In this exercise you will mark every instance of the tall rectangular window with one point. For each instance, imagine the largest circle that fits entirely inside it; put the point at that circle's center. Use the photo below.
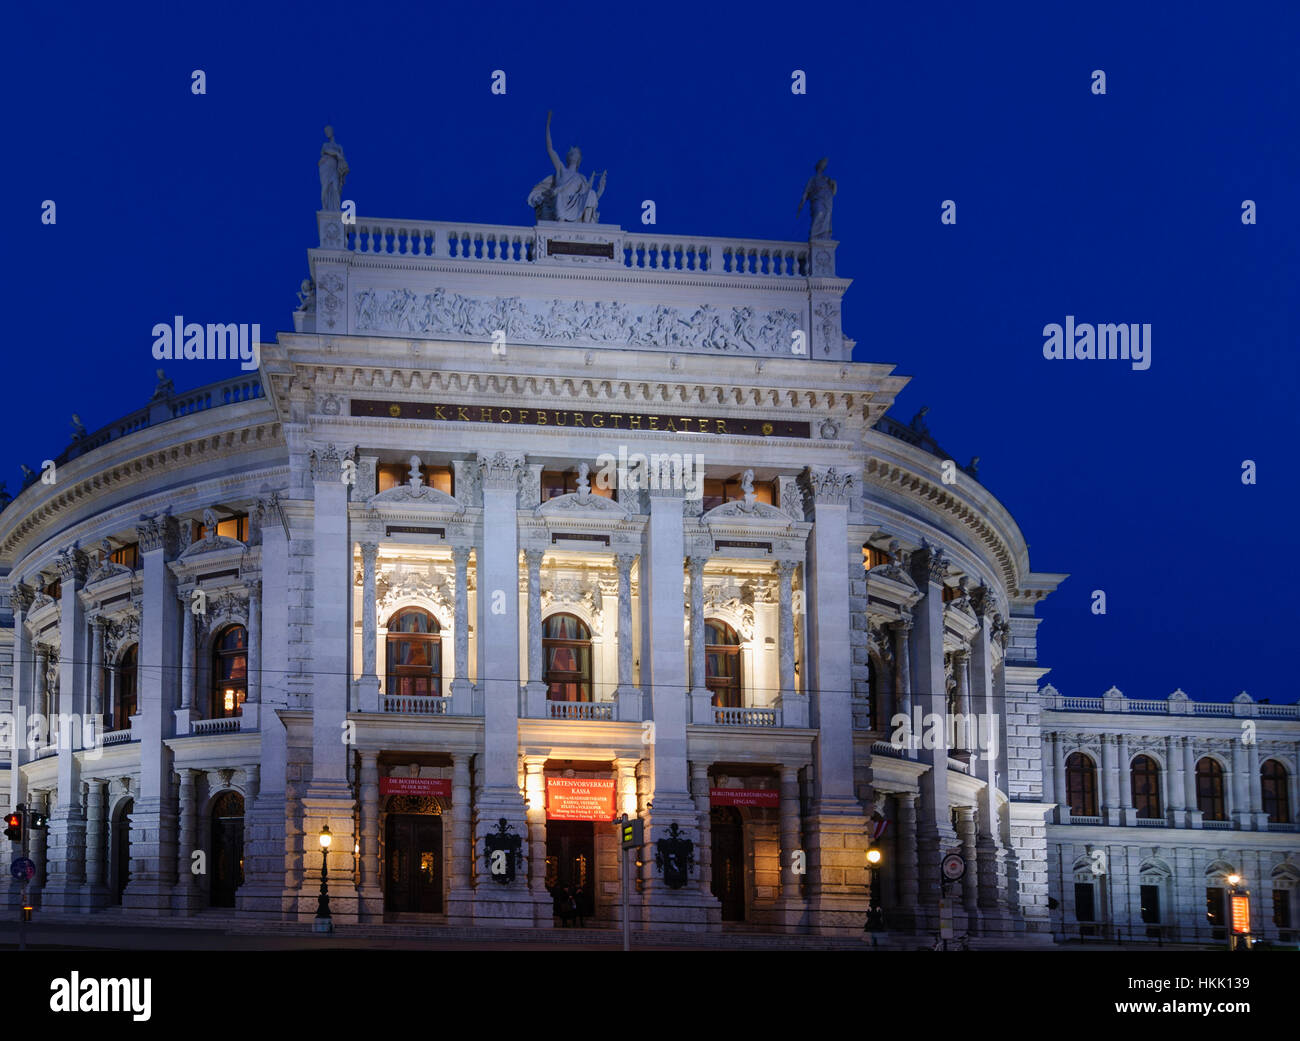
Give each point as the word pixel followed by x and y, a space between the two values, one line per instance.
pixel 1084 909
pixel 1150 896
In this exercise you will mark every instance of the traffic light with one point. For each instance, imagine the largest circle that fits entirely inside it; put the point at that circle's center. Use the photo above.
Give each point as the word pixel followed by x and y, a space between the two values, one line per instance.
pixel 14 826
pixel 38 820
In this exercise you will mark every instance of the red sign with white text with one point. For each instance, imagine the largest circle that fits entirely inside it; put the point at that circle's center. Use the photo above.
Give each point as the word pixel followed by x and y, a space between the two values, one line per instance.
pixel 414 786
pixel 744 797
pixel 579 799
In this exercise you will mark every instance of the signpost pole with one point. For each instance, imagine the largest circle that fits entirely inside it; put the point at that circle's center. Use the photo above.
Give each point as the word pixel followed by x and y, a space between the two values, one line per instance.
pixel 627 930
pixel 22 911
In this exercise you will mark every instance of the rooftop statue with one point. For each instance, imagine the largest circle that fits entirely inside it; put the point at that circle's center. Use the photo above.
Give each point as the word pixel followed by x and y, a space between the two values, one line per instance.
pixel 818 193
pixel 333 172
pixel 566 195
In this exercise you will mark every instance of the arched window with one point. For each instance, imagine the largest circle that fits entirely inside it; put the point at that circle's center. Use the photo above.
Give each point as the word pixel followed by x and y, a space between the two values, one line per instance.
pixel 229 672
pixel 1145 777
pixel 566 650
pixel 1273 791
pixel 1209 789
pixel 414 654
pixel 722 663
pixel 1081 785
pixel 124 704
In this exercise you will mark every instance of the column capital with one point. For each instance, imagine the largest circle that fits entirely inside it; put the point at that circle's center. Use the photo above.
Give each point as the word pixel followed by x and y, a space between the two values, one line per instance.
pixel 534 557
pixel 902 626
pixel 625 561
pixel 501 470
pixel 928 564
pixel 21 596
pixel 829 485
pixel 696 566
pixel 786 568
pixel 369 552
pixel 327 464
pixel 158 532
pixel 961 656
pixel 460 555
pixel 73 565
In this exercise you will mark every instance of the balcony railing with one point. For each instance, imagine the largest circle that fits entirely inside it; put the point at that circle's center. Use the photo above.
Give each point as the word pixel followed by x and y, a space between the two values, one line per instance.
pixel 1170 706
pixel 416 705
pixel 580 710
pixel 746 717
pixel 886 749
pixel 1217 825
pixel 1076 818
pixel 1151 822
pixel 220 725
pixel 117 737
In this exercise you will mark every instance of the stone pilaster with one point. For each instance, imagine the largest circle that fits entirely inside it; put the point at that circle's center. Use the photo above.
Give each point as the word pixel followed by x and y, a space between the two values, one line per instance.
pixel 370 896
pixel 460 896
pixel 94 893
pixel 792 907
pixel 67 840
pixel 153 819
pixel 190 885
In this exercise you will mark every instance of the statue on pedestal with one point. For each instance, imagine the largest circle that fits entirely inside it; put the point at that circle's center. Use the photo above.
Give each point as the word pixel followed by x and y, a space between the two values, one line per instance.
pixel 333 173
pixel 566 195
pixel 818 193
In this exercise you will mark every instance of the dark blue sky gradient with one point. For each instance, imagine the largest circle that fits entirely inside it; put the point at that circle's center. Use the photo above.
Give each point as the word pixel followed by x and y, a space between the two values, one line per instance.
pixel 1123 208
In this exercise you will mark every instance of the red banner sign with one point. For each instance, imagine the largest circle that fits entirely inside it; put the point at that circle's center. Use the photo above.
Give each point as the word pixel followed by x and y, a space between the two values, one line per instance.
pixel 414 786
pixel 1240 914
pixel 744 797
pixel 579 799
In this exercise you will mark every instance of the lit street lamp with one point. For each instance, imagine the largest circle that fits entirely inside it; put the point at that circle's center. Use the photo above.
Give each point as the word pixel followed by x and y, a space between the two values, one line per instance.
pixel 875 916
pixel 324 923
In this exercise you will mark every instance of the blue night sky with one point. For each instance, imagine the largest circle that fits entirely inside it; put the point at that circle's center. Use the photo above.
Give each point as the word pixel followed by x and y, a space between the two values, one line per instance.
pixel 1122 208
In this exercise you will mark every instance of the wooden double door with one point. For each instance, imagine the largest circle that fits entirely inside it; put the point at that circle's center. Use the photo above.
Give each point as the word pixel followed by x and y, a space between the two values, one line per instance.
pixel 413 875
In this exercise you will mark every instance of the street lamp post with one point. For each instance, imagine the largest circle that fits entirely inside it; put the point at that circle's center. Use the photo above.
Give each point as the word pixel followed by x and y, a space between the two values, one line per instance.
pixel 323 922
pixel 875 916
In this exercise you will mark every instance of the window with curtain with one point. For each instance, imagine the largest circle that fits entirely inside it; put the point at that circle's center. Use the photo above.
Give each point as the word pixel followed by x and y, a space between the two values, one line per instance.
pixel 414 649
pixel 566 653
pixel 722 663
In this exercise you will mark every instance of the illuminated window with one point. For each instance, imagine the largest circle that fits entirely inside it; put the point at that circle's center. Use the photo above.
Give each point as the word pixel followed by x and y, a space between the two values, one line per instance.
pixel 127 556
pixel 229 672
pixel 392 474
pixel 566 650
pixel 235 527
pixel 565 482
pixel 717 492
pixel 124 706
pixel 414 654
pixel 722 663
pixel 872 557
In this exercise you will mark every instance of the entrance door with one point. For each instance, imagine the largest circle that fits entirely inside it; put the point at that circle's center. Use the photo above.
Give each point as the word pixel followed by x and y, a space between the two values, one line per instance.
pixel 571 861
pixel 122 849
pixel 227 848
pixel 728 832
pixel 413 881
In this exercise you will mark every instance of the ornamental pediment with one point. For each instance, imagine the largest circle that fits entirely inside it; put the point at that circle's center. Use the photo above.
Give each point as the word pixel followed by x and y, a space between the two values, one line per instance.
pixel 211 544
pixel 408 495
pixel 578 503
pixel 739 510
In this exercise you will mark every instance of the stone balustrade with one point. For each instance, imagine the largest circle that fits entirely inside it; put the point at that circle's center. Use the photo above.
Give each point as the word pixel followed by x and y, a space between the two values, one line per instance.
pixel 415 705
pixel 580 710
pixel 747 717
pixel 514 244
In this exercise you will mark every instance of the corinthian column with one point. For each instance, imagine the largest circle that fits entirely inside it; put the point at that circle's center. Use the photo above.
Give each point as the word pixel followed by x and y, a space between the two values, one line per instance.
pixel 536 688
pixel 368 685
pixel 701 699
pixel 461 691
pixel 793 705
pixel 97 670
pixel 903 677
pixel 254 696
pixel 628 696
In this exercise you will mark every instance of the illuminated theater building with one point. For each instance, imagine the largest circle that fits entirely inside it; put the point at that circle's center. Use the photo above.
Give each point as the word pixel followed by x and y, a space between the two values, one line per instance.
pixel 391 583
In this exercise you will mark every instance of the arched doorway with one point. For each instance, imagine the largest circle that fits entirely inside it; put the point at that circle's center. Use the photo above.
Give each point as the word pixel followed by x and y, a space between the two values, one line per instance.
pixel 413 867
pixel 121 851
pixel 227 848
pixel 728 832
